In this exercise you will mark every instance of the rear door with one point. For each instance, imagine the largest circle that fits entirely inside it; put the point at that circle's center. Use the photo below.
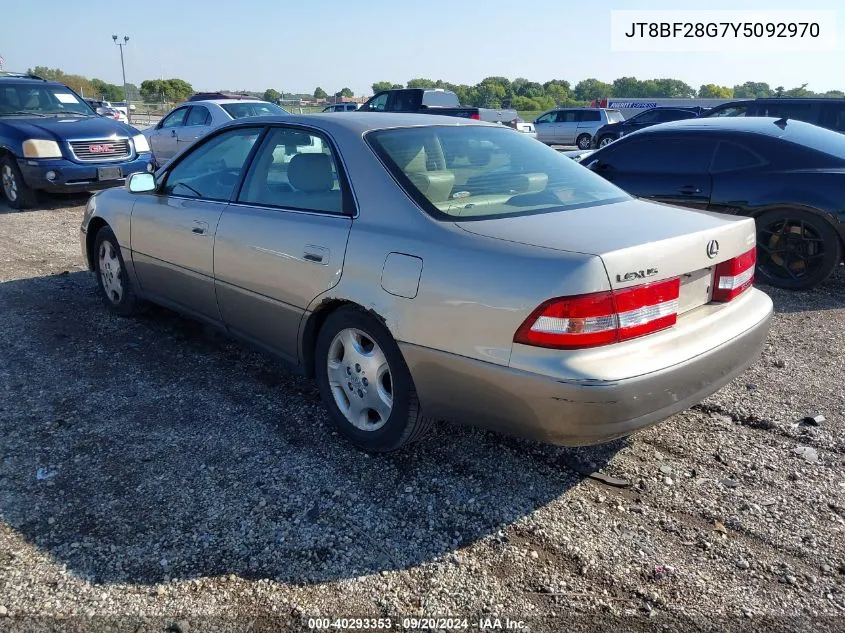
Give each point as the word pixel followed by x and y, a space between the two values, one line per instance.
pixel 197 123
pixel 282 243
pixel 589 122
pixel 672 169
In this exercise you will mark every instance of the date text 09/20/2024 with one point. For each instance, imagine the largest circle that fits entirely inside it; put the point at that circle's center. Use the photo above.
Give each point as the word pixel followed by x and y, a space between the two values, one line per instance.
pixel 417 624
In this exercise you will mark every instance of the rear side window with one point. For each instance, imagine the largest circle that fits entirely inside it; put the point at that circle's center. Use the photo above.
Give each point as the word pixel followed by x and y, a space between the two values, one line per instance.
pixel 199 115
pixel 833 116
pixel 799 111
pixel 568 116
pixel 614 116
pixel 588 116
pixel 294 170
pixel 676 115
pixel 661 155
pixel 441 99
pixel 733 157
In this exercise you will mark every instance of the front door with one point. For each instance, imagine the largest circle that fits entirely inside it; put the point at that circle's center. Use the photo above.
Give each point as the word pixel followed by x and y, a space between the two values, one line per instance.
pixel 197 123
pixel 671 170
pixel 163 137
pixel 282 243
pixel 545 127
pixel 173 229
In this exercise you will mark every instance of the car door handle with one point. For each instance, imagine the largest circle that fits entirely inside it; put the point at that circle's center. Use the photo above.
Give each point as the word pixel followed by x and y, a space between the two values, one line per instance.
pixel 200 228
pixel 316 254
pixel 690 189
pixel 173 133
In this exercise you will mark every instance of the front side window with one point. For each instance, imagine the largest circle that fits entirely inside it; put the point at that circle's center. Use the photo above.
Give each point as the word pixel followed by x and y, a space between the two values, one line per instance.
pixel 212 169
pixel 660 155
pixel 549 117
pixel 737 110
pixel 294 169
pixel 378 103
pixel 474 172
pixel 174 119
pixel 568 116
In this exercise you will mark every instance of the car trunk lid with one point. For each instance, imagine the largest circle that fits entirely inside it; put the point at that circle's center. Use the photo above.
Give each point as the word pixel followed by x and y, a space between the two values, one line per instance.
pixel 638 241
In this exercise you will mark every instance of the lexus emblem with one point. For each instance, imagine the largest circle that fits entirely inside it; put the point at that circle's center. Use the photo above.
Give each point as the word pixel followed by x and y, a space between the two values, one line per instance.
pixel 712 249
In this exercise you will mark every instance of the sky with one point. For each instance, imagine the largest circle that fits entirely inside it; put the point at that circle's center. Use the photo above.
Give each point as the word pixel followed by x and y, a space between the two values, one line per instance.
pixel 295 46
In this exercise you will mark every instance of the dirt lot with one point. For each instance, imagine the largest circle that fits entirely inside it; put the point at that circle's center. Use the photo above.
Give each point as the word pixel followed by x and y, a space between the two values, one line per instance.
pixel 154 472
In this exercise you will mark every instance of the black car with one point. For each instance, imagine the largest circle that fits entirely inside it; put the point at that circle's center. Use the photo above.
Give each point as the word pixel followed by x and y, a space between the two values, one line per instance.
pixel 611 131
pixel 51 140
pixel 829 113
pixel 788 175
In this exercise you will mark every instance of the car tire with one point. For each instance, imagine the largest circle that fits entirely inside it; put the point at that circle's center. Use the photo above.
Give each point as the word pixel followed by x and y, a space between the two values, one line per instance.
pixel 796 250
pixel 18 194
pixel 114 284
pixel 584 141
pixel 605 140
pixel 365 383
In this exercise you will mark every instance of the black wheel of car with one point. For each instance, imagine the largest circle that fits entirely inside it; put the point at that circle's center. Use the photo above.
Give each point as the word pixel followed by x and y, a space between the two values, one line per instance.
pixel 605 140
pixel 584 141
pixel 365 383
pixel 113 281
pixel 18 194
pixel 795 249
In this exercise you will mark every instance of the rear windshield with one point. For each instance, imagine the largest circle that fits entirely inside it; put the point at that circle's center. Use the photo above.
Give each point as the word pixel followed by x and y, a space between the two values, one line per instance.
pixel 252 108
pixel 816 138
pixel 475 172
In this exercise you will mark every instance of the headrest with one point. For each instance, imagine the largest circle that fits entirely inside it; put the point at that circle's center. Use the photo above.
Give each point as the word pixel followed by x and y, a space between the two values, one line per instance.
pixel 311 172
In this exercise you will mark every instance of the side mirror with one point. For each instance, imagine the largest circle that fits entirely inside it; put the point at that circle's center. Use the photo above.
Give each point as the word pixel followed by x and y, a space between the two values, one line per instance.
pixel 593 165
pixel 141 183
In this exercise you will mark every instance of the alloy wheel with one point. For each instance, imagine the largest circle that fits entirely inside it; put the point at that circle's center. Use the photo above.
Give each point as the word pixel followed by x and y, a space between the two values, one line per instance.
pixel 790 249
pixel 110 272
pixel 10 184
pixel 360 379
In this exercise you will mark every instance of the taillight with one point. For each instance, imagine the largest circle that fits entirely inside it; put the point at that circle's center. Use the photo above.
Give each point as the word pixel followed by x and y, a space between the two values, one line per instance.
pixel 734 276
pixel 475 116
pixel 602 318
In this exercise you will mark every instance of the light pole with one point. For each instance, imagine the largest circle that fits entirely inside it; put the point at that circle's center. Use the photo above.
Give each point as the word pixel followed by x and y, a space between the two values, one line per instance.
pixel 123 68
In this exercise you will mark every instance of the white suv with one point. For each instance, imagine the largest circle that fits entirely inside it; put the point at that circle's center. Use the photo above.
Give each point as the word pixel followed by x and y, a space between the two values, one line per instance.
pixel 573 126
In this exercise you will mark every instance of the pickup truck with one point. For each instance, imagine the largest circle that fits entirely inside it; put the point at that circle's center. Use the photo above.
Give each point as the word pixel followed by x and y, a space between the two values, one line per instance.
pixel 434 101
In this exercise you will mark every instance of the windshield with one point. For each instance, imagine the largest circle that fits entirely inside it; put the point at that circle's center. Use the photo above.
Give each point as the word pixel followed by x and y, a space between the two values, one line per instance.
pixel 40 100
pixel 252 108
pixel 476 172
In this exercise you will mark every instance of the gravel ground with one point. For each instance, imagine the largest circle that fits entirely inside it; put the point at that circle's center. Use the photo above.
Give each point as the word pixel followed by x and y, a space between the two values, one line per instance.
pixel 154 473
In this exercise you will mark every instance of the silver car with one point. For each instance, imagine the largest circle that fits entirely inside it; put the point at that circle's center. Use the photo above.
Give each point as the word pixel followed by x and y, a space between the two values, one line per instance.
pixel 423 268
pixel 573 126
pixel 187 122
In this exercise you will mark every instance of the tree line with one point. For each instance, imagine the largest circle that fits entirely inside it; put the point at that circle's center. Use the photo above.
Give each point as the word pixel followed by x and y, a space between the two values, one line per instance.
pixel 523 94
pixel 491 92
pixel 90 88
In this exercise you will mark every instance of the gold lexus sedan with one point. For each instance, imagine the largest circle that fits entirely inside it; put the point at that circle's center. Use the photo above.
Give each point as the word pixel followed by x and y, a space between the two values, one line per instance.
pixel 421 268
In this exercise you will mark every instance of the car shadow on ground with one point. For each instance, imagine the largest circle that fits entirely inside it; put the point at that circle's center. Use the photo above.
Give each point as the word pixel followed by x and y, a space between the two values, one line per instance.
pixel 48 202
pixel 145 449
pixel 829 295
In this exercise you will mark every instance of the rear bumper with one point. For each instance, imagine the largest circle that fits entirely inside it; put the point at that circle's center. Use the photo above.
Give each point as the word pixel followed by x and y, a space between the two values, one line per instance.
pixel 70 176
pixel 582 409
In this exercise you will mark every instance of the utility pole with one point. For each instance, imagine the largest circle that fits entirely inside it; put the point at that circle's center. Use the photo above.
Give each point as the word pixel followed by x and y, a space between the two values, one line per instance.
pixel 123 68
